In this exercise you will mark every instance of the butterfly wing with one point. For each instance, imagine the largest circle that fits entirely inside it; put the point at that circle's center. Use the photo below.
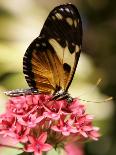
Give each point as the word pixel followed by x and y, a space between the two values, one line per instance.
pixel 50 61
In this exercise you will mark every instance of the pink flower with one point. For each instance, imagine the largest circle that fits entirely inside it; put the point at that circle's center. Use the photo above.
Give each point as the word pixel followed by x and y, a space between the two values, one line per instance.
pixel 53 110
pixel 10 127
pixel 65 127
pixel 17 105
pixel 77 108
pixel 57 122
pixel 94 134
pixel 85 128
pixel 6 124
pixel 21 133
pixel 31 120
pixel 7 141
pixel 37 145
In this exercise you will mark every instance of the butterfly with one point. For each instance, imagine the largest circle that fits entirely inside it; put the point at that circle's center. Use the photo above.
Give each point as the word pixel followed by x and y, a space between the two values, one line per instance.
pixel 51 59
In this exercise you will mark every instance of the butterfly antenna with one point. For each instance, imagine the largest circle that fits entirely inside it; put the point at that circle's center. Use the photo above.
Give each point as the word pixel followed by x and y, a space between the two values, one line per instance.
pixel 93 88
pixel 105 100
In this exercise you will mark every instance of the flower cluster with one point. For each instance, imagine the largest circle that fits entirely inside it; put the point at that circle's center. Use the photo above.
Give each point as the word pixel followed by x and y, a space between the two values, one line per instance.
pixel 40 123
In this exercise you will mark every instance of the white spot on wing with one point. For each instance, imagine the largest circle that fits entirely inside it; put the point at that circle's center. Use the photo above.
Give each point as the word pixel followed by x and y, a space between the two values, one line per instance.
pixel 67 9
pixel 67 57
pixel 77 48
pixel 61 9
pixel 25 67
pixel 44 44
pixel 37 45
pixel 75 23
pixel 53 17
pixel 69 21
pixel 73 44
pixel 57 47
pixel 78 21
pixel 25 57
pixel 59 16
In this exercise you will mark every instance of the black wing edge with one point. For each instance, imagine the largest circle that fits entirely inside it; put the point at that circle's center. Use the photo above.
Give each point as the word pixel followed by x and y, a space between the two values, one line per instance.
pixel 27 67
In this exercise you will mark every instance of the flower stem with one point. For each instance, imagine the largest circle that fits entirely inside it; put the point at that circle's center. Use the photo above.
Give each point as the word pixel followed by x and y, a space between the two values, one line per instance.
pixel 12 147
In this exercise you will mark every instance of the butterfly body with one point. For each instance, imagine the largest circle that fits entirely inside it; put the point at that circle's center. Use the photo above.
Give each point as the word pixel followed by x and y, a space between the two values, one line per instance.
pixel 50 61
pixel 21 92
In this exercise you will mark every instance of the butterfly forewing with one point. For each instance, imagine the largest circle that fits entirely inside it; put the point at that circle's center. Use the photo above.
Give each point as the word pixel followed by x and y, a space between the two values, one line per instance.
pixel 51 59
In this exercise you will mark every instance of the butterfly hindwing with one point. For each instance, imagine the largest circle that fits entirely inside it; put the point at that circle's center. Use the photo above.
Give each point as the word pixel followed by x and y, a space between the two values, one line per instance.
pixel 51 59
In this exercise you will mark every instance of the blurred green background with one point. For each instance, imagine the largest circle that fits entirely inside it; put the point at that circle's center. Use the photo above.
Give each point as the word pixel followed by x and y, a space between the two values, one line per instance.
pixel 21 22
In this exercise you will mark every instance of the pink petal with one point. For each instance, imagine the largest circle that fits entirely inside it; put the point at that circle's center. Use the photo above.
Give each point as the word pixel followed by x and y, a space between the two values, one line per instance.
pixel 18 127
pixel 7 140
pixel 29 148
pixel 70 122
pixel 87 128
pixel 73 130
pixel 94 135
pixel 21 121
pixel 31 139
pixel 73 149
pixel 96 128
pixel 54 116
pixel 55 128
pixel 27 131
pixel 23 139
pixel 37 153
pixel 84 134
pixel 42 138
pixel 46 147
pixel 39 119
pixel 89 117
pixel 66 133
